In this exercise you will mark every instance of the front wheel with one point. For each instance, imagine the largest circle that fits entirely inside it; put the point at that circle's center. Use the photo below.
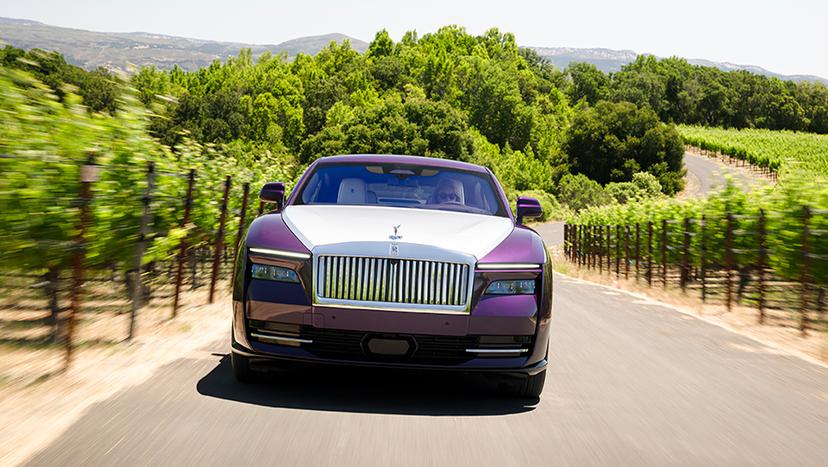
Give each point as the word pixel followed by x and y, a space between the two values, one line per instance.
pixel 241 368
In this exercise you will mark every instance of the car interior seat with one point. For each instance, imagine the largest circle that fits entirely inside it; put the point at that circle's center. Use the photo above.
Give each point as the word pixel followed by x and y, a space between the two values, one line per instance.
pixel 351 191
pixel 478 199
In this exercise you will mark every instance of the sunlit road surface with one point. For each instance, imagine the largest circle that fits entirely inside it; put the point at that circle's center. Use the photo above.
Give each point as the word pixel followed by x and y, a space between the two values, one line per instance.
pixel 630 382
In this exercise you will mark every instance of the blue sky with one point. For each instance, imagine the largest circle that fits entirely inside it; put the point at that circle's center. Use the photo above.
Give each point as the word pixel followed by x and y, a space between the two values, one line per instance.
pixel 783 36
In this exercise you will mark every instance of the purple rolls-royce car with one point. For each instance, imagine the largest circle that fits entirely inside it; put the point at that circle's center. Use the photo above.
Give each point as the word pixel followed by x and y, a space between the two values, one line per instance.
pixel 394 261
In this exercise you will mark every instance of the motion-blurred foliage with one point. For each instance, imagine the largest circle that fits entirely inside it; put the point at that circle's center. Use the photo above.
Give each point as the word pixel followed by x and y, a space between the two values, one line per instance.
pixel 43 144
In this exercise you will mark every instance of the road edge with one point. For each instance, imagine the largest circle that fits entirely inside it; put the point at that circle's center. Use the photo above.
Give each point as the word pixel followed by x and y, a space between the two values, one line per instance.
pixel 773 345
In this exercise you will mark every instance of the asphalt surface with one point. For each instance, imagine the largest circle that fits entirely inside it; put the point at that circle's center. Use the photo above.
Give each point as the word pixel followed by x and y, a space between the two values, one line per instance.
pixel 630 382
pixel 552 232
pixel 709 174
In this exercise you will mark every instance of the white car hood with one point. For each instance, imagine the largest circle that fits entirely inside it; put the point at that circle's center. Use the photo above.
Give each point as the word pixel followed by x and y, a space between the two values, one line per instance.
pixel 472 234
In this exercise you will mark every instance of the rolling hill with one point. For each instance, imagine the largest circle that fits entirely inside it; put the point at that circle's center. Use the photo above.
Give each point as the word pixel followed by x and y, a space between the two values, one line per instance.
pixel 90 49
pixel 113 50
pixel 610 60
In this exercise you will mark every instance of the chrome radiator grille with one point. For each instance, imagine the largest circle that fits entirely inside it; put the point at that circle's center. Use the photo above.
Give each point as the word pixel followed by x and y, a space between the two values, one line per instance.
pixel 392 280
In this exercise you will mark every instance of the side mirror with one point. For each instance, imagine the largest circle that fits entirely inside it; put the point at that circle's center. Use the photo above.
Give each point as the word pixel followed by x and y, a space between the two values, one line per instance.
pixel 273 192
pixel 527 207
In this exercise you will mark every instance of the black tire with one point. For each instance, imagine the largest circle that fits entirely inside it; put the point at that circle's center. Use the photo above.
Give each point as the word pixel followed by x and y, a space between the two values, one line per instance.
pixel 241 368
pixel 530 387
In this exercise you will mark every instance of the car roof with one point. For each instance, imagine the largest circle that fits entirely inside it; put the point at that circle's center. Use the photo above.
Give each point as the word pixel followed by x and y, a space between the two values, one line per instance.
pixel 400 159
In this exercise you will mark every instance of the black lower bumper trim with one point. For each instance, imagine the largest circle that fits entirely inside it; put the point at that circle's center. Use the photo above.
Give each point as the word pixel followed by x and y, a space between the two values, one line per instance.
pixel 305 362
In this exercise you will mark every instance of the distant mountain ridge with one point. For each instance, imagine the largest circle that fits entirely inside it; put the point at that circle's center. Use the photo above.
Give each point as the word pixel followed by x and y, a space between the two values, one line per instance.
pixel 611 60
pixel 115 50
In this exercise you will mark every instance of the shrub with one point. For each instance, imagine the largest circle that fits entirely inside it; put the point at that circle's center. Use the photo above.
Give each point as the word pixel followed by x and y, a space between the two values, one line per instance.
pixel 643 186
pixel 579 192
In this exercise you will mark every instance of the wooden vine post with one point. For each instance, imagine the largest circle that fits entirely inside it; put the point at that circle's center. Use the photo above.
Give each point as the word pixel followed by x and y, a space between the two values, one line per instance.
pixel 805 271
pixel 243 213
pixel 88 175
pixel 182 251
pixel 140 248
pixel 729 262
pixel 762 263
pixel 219 245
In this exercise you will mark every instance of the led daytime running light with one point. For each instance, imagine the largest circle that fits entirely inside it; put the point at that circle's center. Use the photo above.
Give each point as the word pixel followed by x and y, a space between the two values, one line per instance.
pixel 508 266
pixel 284 253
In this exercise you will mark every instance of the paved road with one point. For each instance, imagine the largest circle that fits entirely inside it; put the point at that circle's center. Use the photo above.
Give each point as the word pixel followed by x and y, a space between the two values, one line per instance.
pixel 552 233
pixel 630 382
pixel 709 174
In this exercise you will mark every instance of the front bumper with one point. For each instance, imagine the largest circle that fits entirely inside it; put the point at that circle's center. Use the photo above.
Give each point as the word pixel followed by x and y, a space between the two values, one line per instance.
pixel 289 356
pixel 338 337
pixel 290 306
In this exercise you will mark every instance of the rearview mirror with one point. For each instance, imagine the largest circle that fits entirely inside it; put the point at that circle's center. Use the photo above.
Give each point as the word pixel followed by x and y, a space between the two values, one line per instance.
pixel 273 192
pixel 527 207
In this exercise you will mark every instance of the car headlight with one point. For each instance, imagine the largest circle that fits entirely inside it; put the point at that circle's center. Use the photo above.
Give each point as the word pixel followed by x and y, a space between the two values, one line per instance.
pixel 273 273
pixel 513 287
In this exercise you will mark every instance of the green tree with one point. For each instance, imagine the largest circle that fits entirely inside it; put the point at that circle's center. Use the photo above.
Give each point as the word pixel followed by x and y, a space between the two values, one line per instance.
pixel 612 141
pixel 588 83
pixel 381 46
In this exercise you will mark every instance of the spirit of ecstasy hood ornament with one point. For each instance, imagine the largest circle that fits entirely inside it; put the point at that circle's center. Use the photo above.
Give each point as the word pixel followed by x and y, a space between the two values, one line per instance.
pixel 395 236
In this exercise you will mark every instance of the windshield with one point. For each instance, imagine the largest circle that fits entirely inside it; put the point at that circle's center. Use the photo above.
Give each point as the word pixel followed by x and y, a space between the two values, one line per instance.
pixel 402 186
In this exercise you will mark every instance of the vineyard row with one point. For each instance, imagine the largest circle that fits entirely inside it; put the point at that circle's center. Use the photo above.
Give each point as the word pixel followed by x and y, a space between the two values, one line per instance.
pixel 791 154
pixel 156 249
pixel 730 259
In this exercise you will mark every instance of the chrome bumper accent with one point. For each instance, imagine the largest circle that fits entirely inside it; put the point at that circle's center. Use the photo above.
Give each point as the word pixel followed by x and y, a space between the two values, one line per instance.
pixel 280 339
pixel 497 351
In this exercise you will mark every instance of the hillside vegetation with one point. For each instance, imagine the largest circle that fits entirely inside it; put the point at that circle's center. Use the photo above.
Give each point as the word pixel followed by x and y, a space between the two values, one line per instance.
pixel 448 94
pixel 93 49
pixel 578 135
pixel 683 93
pixel 612 60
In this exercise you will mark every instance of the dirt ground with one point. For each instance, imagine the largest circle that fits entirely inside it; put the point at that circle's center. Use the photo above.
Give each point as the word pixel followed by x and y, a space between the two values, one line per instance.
pixel 38 401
